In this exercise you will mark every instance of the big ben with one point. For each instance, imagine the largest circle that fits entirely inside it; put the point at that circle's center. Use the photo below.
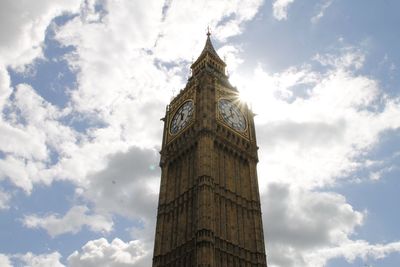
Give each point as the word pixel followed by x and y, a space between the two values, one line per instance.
pixel 209 212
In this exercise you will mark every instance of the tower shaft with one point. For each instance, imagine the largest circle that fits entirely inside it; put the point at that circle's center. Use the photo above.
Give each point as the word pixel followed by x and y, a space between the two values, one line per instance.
pixel 209 212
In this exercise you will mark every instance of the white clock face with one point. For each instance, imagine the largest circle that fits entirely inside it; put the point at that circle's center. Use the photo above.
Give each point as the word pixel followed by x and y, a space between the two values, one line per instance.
pixel 232 115
pixel 182 117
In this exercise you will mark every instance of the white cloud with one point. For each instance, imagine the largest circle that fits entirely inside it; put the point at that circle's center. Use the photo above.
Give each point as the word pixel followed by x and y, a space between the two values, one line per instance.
pixel 348 58
pixel 32 131
pixel 315 127
pixel 231 56
pixel 71 222
pixel 42 260
pixel 5 261
pixel 4 200
pixel 321 10
pixel 5 89
pixel 126 73
pixel 115 254
pixel 126 77
pixel 127 67
pixel 30 127
pixel 23 24
pixel 123 82
pixel 280 8
pixel 305 228
pixel 18 171
pixel 352 250
pixel 181 37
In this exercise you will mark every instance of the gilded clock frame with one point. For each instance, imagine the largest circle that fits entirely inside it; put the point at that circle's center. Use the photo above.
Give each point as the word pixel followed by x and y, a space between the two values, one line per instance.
pixel 174 113
pixel 230 95
pixel 174 106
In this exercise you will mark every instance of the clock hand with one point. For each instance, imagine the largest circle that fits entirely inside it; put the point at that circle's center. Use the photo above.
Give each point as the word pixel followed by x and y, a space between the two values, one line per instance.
pixel 230 113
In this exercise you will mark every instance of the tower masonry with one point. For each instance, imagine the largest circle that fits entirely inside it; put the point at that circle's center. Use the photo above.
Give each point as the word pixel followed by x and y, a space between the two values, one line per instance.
pixel 209 212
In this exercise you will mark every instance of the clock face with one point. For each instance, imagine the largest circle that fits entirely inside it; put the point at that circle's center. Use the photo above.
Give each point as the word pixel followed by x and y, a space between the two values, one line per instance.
pixel 182 117
pixel 232 115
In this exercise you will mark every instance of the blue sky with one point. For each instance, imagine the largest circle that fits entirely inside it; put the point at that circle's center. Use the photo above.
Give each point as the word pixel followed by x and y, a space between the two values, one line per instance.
pixel 83 85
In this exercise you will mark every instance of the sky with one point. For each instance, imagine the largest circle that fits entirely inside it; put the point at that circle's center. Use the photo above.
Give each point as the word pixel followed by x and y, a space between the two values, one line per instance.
pixel 84 83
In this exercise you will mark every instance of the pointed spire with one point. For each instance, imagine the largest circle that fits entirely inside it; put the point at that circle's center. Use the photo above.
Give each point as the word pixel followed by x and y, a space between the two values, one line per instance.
pixel 209 50
pixel 209 46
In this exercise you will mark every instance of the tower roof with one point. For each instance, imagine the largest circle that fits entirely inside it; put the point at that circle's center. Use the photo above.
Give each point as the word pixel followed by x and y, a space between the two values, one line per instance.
pixel 209 50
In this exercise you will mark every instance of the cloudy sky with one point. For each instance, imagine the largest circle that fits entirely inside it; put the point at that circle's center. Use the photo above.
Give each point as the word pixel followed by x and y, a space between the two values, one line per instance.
pixel 84 83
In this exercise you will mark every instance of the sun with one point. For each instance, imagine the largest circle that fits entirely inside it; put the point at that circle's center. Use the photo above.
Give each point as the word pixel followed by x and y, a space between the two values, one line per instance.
pixel 258 91
pixel 251 93
pixel 246 97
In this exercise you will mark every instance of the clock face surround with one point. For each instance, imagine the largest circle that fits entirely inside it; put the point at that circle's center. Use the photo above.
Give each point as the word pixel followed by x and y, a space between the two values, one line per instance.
pixel 232 115
pixel 182 117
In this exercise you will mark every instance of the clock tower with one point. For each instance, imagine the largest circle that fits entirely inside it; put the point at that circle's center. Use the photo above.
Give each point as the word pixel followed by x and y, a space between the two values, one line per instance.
pixel 209 212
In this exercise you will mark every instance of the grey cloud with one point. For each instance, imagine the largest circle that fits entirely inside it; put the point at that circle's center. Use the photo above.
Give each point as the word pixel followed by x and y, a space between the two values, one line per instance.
pixel 123 187
pixel 126 185
pixel 306 133
pixel 299 221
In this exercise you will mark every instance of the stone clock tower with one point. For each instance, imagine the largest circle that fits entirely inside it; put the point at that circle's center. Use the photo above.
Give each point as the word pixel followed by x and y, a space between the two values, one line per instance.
pixel 209 211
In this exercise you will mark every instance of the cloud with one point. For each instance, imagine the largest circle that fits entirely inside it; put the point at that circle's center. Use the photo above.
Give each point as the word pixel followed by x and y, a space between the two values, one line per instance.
pixel 349 58
pixel 5 90
pixel 32 132
pixel 115 254
pixel 306 228
pixel 23 27
pixel 298 222
pixel 5 198
pixel 125 99
pixel 113 166
pixel 352 250
pixel 225 18
pixel 71 222
pixel 321 10
pixel 128 185
pixel 5 261
pixel 316 126
pixel 42 260
pixel 128 59
pixel 280 8
pixel 120 103
pixel 31 260
pixel 231 56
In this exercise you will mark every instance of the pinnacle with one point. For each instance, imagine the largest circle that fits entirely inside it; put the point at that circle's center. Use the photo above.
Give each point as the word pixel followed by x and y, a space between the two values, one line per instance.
pixel 209 48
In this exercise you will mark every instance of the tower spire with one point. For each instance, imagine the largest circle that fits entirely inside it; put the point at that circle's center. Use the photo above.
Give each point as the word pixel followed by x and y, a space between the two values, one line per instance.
pixel 209 55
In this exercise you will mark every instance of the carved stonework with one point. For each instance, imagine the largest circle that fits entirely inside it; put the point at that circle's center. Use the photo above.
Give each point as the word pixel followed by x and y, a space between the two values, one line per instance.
pixel 209 212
